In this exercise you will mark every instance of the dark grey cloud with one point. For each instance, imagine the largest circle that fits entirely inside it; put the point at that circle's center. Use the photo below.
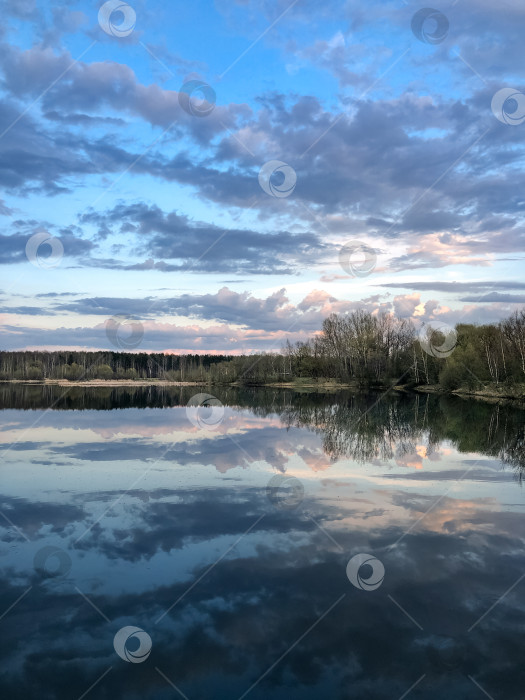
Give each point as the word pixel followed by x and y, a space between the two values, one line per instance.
pixel 473 287
pixel 203 247
pixel 83 120
pixel 496 297
pixel 53 295
pixel 92 86
pixel 34 158
pixel 26 310
pixel 13 247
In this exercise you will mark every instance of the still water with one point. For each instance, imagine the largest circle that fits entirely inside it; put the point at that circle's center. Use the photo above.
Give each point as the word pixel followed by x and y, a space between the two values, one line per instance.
pixel 273 545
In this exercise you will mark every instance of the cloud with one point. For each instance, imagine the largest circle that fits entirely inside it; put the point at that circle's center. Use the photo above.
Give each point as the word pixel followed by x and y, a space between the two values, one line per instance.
pixel 203 247
pixel 400 167
pixel 26 310
pixel 497 297
pixel 380 140
pixel 158 337
pixel 396 145
pixel 405 306
pixel 13 247
pixel 274 313
pixel 226 322
pixel 473 287
pixel 4 209
pixel 92 86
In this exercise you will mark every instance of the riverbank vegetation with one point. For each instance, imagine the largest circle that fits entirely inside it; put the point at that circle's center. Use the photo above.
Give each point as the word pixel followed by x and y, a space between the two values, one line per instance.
pixel 359 348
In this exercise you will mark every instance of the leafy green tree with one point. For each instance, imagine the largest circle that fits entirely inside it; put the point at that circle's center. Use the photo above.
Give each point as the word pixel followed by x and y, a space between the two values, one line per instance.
pixel 35 372
pixel 73 371
pixel 103 372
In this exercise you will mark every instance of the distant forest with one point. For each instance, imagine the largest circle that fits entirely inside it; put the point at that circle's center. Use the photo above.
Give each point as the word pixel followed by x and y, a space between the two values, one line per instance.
pixel 358 347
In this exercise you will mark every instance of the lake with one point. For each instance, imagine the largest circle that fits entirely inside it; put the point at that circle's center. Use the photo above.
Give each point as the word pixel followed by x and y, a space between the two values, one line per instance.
pixel 269 544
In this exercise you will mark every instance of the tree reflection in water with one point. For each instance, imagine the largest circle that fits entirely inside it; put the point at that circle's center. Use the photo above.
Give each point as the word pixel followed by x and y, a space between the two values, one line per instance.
pixel 365 427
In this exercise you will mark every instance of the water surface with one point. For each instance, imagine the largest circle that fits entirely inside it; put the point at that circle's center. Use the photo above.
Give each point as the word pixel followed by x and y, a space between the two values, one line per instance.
pixel 118 511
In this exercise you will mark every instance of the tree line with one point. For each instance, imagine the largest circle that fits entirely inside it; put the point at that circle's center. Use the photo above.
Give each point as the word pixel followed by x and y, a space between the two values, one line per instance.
pixel 82 365
pixel 377 348
pixel 370 349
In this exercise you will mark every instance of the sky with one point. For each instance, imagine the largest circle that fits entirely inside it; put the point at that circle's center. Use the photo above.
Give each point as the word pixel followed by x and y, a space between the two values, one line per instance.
pixel 218 177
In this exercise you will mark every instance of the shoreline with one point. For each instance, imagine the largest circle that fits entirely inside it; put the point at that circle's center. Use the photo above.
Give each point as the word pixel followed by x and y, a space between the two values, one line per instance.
pixel 100 382
pixel 491 393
